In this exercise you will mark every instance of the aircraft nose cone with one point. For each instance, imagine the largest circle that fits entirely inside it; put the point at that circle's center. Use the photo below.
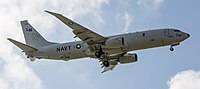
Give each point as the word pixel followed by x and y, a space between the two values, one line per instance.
pixel 188 35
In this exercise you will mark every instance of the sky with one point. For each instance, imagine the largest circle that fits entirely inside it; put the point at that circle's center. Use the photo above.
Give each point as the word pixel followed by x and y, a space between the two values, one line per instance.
pixel 157 68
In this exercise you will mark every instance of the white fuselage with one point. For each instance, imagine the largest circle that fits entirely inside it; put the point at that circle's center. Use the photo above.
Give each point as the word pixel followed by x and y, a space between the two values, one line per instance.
pixel 132 41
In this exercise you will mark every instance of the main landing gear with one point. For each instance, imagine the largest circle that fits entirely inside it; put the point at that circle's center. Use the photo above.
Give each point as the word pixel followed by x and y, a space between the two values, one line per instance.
pixel 99 53
pixel 106 63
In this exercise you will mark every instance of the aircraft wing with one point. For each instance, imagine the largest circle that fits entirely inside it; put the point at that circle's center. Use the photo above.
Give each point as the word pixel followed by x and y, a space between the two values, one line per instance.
pixel 83 33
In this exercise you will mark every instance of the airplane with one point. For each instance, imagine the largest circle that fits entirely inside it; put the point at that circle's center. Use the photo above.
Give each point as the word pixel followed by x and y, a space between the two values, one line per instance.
pixel 110 50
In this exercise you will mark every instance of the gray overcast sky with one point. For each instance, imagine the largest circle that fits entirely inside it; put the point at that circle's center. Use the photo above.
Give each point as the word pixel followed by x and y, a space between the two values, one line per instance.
pixel 157 68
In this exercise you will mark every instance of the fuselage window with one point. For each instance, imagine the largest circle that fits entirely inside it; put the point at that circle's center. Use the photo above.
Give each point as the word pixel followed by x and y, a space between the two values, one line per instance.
pixel 143 34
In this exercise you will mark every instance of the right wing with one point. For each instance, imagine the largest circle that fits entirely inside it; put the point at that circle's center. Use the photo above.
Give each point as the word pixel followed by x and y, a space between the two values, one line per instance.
pixel 83 33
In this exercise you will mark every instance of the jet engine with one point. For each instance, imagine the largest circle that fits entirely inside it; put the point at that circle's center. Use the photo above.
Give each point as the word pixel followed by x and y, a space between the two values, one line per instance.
pixel 115 42
pixel 128 58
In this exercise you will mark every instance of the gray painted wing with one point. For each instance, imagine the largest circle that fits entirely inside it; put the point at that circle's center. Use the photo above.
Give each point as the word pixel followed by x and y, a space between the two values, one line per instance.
pixel 83 33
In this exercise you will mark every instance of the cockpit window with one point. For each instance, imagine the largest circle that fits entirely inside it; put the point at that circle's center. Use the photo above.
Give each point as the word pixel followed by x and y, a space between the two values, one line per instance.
pixel 177 31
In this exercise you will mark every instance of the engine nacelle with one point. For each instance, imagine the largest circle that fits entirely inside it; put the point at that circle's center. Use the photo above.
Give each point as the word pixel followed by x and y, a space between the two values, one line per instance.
pixel 128 58
pixel 115 42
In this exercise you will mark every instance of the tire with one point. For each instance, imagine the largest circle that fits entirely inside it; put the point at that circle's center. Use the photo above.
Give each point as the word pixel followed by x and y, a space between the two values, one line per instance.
pixel 171 49
pixel 98 54
pixel 106 63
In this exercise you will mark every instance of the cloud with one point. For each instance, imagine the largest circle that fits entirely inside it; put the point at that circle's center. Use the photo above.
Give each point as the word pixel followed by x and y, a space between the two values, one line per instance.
pixel 15 73
pixel 189 79
pixel 126 18
pixel 150 5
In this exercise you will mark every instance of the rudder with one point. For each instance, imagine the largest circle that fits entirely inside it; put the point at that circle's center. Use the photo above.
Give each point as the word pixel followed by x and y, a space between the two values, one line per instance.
pixel 32 37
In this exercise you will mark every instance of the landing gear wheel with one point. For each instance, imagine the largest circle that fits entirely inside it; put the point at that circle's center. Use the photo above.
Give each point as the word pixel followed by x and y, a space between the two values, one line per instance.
pixel 106 63
pixel 171 48
pixel 98 54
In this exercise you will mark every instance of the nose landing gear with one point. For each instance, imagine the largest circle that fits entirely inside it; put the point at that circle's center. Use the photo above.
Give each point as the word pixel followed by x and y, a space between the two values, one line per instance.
pixel 171 48
pixel 172 45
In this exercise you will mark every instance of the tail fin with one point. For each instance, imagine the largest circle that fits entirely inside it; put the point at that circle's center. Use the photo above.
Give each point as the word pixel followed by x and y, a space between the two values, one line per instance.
pixel 32 37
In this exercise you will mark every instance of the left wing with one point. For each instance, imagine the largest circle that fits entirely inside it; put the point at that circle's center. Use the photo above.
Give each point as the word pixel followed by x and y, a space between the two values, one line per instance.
pixel 83 33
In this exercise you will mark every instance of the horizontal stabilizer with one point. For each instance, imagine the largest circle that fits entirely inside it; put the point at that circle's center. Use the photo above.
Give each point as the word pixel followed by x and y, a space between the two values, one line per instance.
pixel 24 47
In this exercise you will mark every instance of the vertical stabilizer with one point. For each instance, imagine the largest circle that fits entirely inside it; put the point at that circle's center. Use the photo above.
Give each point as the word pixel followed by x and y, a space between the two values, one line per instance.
pixel 32 37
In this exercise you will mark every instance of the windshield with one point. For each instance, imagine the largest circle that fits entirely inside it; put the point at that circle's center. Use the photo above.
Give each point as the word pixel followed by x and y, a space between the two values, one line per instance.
pixel 177 31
